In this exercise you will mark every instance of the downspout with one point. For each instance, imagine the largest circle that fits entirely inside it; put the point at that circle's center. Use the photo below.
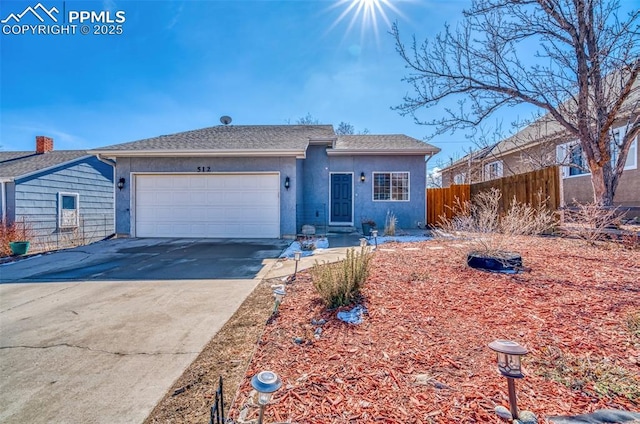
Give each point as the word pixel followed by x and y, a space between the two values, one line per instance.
pixel 113 167
pixel 3 199
pixel 426 167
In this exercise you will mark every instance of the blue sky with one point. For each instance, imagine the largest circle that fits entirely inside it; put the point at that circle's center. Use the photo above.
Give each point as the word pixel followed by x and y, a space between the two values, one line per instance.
pixel 180 65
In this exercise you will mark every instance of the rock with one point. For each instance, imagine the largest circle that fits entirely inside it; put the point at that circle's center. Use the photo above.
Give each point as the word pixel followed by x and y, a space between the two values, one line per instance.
pixel 298 340
pixel 527 417
pixel 320 321
pixel 503 413
pixel 308 230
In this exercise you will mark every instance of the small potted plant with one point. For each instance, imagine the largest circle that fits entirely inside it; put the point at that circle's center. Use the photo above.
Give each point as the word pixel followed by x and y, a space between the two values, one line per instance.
pixel 368 224
pixel 20 244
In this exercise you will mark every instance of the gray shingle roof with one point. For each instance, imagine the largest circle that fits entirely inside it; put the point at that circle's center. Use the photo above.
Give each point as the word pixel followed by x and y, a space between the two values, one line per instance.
pixel 17 164
pixel 391 142
pixel 231 137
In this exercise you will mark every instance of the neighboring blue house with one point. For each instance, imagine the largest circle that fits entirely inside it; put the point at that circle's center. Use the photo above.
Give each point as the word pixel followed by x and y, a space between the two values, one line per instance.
pixel 266 181
pixel 65 197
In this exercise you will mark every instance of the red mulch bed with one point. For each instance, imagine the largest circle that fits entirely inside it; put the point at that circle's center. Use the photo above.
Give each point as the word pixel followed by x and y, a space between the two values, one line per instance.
pixel 421 354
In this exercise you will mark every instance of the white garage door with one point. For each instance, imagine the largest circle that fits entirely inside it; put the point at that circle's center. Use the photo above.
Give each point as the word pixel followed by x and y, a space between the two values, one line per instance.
pixel 211 205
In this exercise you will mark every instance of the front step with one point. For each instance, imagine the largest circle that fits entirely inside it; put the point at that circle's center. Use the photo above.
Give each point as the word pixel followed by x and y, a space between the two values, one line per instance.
pixel 341 229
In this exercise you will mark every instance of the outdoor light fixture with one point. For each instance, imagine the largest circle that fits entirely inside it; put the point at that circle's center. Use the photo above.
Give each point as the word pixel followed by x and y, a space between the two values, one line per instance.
pixel 121 183
pixel 265 383
pixel 279 294
pixel 363 242
pixel 374 234
pixel 287 183
pixel 362 177
pixel 509 354
pixel 296 257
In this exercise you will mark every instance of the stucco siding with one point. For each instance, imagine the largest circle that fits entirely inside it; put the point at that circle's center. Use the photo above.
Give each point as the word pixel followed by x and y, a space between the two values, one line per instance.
pixel 36 203
pixel 286 166
pixel 409 213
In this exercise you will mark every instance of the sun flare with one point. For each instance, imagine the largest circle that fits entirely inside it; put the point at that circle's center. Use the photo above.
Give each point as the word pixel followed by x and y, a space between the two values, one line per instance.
pixel 369 13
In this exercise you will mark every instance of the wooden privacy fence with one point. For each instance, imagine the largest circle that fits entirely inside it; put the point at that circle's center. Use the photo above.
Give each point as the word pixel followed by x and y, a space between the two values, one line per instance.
pixel 442 201
pixel 532 187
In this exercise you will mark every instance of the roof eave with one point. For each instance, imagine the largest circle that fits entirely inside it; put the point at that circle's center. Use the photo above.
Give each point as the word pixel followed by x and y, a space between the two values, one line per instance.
pixel 298 153
pixel 380 152
pixel 41 170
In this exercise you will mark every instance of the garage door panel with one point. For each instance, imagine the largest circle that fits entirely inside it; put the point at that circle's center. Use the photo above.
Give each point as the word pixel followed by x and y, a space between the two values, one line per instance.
pixel 220 205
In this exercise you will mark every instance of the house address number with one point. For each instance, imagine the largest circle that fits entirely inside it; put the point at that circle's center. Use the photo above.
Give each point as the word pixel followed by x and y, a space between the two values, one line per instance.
pixel 204 169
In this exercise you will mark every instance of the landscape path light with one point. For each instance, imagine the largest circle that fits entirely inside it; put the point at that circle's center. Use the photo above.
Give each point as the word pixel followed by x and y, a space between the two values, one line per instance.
pixel 509 365
pixel 279 294
pixel 265 383
pixel 363 242
pixel 296 257
pixel 374 234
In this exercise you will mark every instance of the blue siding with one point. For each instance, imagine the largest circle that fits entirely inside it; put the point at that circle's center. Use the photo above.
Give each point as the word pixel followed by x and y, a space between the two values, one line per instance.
pixel 36 202
pixel 286 166
pixel 318 168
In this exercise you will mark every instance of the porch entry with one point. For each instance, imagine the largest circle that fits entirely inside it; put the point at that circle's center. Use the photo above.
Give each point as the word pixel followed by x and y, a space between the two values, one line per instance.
pixel 341 198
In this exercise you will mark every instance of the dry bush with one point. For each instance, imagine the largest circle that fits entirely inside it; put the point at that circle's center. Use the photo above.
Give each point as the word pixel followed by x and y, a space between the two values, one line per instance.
pixel 19 231
pixel 589 221
pixel 339 283
pixel 390 224
pixel 489 231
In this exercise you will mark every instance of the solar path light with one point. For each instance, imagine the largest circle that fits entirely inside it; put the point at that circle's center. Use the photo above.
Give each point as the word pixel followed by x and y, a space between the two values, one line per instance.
pixel 509 365
pixel 265 383
pixel 374 234
pixel 296 257
pixel 279 294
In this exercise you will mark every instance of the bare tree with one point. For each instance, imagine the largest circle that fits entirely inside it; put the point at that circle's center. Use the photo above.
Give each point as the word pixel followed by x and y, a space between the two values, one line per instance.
pixel 581 70
pixel 345 128
pixel 307 120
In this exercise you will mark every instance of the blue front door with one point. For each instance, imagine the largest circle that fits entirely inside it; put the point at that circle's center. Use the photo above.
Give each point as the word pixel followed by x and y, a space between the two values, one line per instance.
pixel 341 198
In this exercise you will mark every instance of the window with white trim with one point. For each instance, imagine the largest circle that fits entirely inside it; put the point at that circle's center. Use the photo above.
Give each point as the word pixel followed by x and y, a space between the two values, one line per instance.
pixel 493 170
pixel 391 186
pixel 632 155
pixel 574 162
pixel 459 178
pixel 68 210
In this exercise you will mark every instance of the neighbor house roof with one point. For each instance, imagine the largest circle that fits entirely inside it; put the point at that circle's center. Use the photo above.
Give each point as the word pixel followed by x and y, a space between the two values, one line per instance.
pixel 369 144
pixel 14 165
pixel 227 140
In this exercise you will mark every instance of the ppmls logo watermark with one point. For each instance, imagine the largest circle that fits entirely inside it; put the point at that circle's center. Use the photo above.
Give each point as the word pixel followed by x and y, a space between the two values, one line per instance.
pixel 41 20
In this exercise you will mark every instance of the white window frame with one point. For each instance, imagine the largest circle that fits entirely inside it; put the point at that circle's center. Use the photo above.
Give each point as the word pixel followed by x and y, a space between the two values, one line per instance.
pixel 632 154
pixel 563 155
pixel 564 158
pixel 62 223
pixel 459 178
pixel 499 170
pixel 391 193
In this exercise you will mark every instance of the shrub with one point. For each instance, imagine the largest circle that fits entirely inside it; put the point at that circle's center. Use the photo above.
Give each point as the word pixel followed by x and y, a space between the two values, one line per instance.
pixel 488 230
pixel 339 284
pixel 390 224
pixel 20 231
pixel 588 221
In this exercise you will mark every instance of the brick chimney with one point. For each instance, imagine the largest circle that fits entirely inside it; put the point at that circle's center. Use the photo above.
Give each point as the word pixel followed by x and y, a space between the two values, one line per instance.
pixel 43 144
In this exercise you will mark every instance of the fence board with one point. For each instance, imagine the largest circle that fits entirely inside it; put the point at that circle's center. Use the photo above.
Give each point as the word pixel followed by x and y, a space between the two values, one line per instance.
pixel 523 187
pixel 442 201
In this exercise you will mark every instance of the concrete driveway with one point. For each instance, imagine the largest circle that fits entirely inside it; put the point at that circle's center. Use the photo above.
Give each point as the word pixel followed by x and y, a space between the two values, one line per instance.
pixel 82 340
